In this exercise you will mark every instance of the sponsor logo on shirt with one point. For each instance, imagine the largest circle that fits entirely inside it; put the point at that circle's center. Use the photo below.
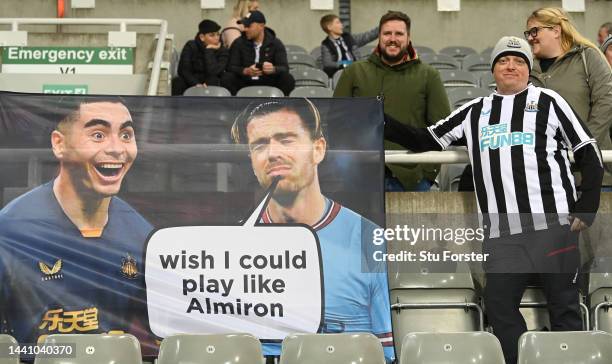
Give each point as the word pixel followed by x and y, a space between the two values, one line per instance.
pixel 497 136
pixel 51 273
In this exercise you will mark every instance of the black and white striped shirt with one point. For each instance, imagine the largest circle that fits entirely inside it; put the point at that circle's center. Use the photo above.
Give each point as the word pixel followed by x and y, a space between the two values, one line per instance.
pixel 518 147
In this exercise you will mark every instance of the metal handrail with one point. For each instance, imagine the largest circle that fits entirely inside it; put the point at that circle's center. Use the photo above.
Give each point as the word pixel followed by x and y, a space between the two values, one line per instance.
pixel 596 313
pixel 462 305
pixel 123 23
pixel 447 157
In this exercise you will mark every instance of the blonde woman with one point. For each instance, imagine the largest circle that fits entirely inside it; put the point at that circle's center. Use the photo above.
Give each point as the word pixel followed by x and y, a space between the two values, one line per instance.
pixel 232 29
pixel 568 63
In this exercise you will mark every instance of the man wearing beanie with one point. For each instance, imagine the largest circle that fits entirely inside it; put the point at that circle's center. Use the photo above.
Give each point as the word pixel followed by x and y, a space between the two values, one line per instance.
pixel 258 58
pixel 518 140
pixel 202 61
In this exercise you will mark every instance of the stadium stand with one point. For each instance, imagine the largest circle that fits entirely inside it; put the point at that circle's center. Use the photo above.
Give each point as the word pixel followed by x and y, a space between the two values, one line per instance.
pixel 459 347
pixel 476 62
pixel 336 78
pixel 305 76
pixel 599 298
pixel 565 347
pixel 424 300
pixel 312 91
pixel 147 51
pixel 441 61
pixel 461 95
pixel 207 91
pixel 458 79
pixel 301 60
pixel 5 341
pixel 534 310
pixel 204 349
pixel 332 348
pixel 366 50
pixel 292 48
pixel 487 81
pixel 458 52
pixel 260 91
pixel 421 50
pixel 487 52
pixel 94 349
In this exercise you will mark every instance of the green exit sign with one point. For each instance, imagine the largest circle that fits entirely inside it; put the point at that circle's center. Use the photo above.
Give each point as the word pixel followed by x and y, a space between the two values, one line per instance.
pixel 65 89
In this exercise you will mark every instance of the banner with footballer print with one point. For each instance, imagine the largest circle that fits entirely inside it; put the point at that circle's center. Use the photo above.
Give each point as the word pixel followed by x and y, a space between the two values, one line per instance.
pixel 164 215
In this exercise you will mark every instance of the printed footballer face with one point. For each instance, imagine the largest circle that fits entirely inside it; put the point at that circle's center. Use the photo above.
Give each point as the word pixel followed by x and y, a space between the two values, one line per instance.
pixel 97 149
pixel 281 146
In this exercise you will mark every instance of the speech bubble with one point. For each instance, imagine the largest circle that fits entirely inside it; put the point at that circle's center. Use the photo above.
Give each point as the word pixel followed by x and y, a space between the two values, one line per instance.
pixel 262 279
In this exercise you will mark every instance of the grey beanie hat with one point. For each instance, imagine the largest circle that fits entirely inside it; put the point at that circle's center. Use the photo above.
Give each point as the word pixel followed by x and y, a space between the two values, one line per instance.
pixel 606 43
pixel 514 46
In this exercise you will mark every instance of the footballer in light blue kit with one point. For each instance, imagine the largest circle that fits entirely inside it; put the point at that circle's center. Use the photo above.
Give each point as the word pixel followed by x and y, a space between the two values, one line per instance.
pixel 286 141
pixel 70 251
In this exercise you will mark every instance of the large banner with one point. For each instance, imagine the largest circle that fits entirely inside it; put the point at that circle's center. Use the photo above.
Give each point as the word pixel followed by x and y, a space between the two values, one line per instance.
pixel 158 216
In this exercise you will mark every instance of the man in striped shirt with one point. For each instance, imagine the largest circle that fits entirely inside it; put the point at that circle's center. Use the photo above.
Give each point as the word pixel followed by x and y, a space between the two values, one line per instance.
pixel 518 140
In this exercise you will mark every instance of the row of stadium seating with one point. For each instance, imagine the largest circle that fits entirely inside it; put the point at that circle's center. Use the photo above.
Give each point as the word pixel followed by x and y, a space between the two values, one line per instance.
pixel 417 348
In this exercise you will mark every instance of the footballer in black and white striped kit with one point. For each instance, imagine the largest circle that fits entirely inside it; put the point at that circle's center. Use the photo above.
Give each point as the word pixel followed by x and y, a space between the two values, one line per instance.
pixel 518 140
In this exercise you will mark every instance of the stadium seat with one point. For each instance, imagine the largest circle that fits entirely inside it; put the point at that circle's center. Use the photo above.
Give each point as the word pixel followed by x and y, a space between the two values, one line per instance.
pixel 455 347
pixel 210 349
pixel 476 62
pixel 366 50
pixel 600 294
pixel 300 60
pixel 336 78
pixel 487 52
pixel 487 81
pixel 95 349
pixel 312 91
pixel 459 96
pixel 292 48
pixel 421 50
pixel 260 91
pixel 441 61
pixel 306 76
pixel 569 347
pixel 457 78
pixel 207 91
pixel 332 348
pixel 534 309
pixel 426 300
pixel 458 52
pixel 5 341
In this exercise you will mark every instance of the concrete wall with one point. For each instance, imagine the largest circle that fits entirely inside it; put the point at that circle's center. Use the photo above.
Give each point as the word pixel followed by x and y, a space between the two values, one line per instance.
pixel 479 24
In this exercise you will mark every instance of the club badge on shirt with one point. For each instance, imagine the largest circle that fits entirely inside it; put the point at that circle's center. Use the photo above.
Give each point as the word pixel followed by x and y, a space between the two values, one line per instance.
pixel 129 268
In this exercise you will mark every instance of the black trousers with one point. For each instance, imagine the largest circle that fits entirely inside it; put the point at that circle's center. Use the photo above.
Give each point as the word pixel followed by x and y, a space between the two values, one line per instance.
pixel 284 81
pixel 550 255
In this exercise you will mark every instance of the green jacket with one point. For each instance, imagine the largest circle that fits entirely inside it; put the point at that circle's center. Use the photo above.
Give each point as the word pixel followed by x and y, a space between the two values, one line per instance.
pixel 413 94
pixel 586 84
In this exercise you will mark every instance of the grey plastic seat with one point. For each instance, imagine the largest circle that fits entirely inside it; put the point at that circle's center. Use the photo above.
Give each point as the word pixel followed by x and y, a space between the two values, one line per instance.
pixel 569 347
pixel 458 52
pixel 459 96
pixel 260 91
pixel 600 294
pixel 207 91
pixel 487 52
pixel 421 50
pixel 457 78
pixel 95 349
pixel 210 349
pixel 300 60
pixel 5 341
pixel 476 62
pixel 336 78
pixel 451 347
pixel 312 91
pixel 293 48
pixel 306 76
pixel 433 297
pixel 441 61
pixel 488 81
pixel 332 349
